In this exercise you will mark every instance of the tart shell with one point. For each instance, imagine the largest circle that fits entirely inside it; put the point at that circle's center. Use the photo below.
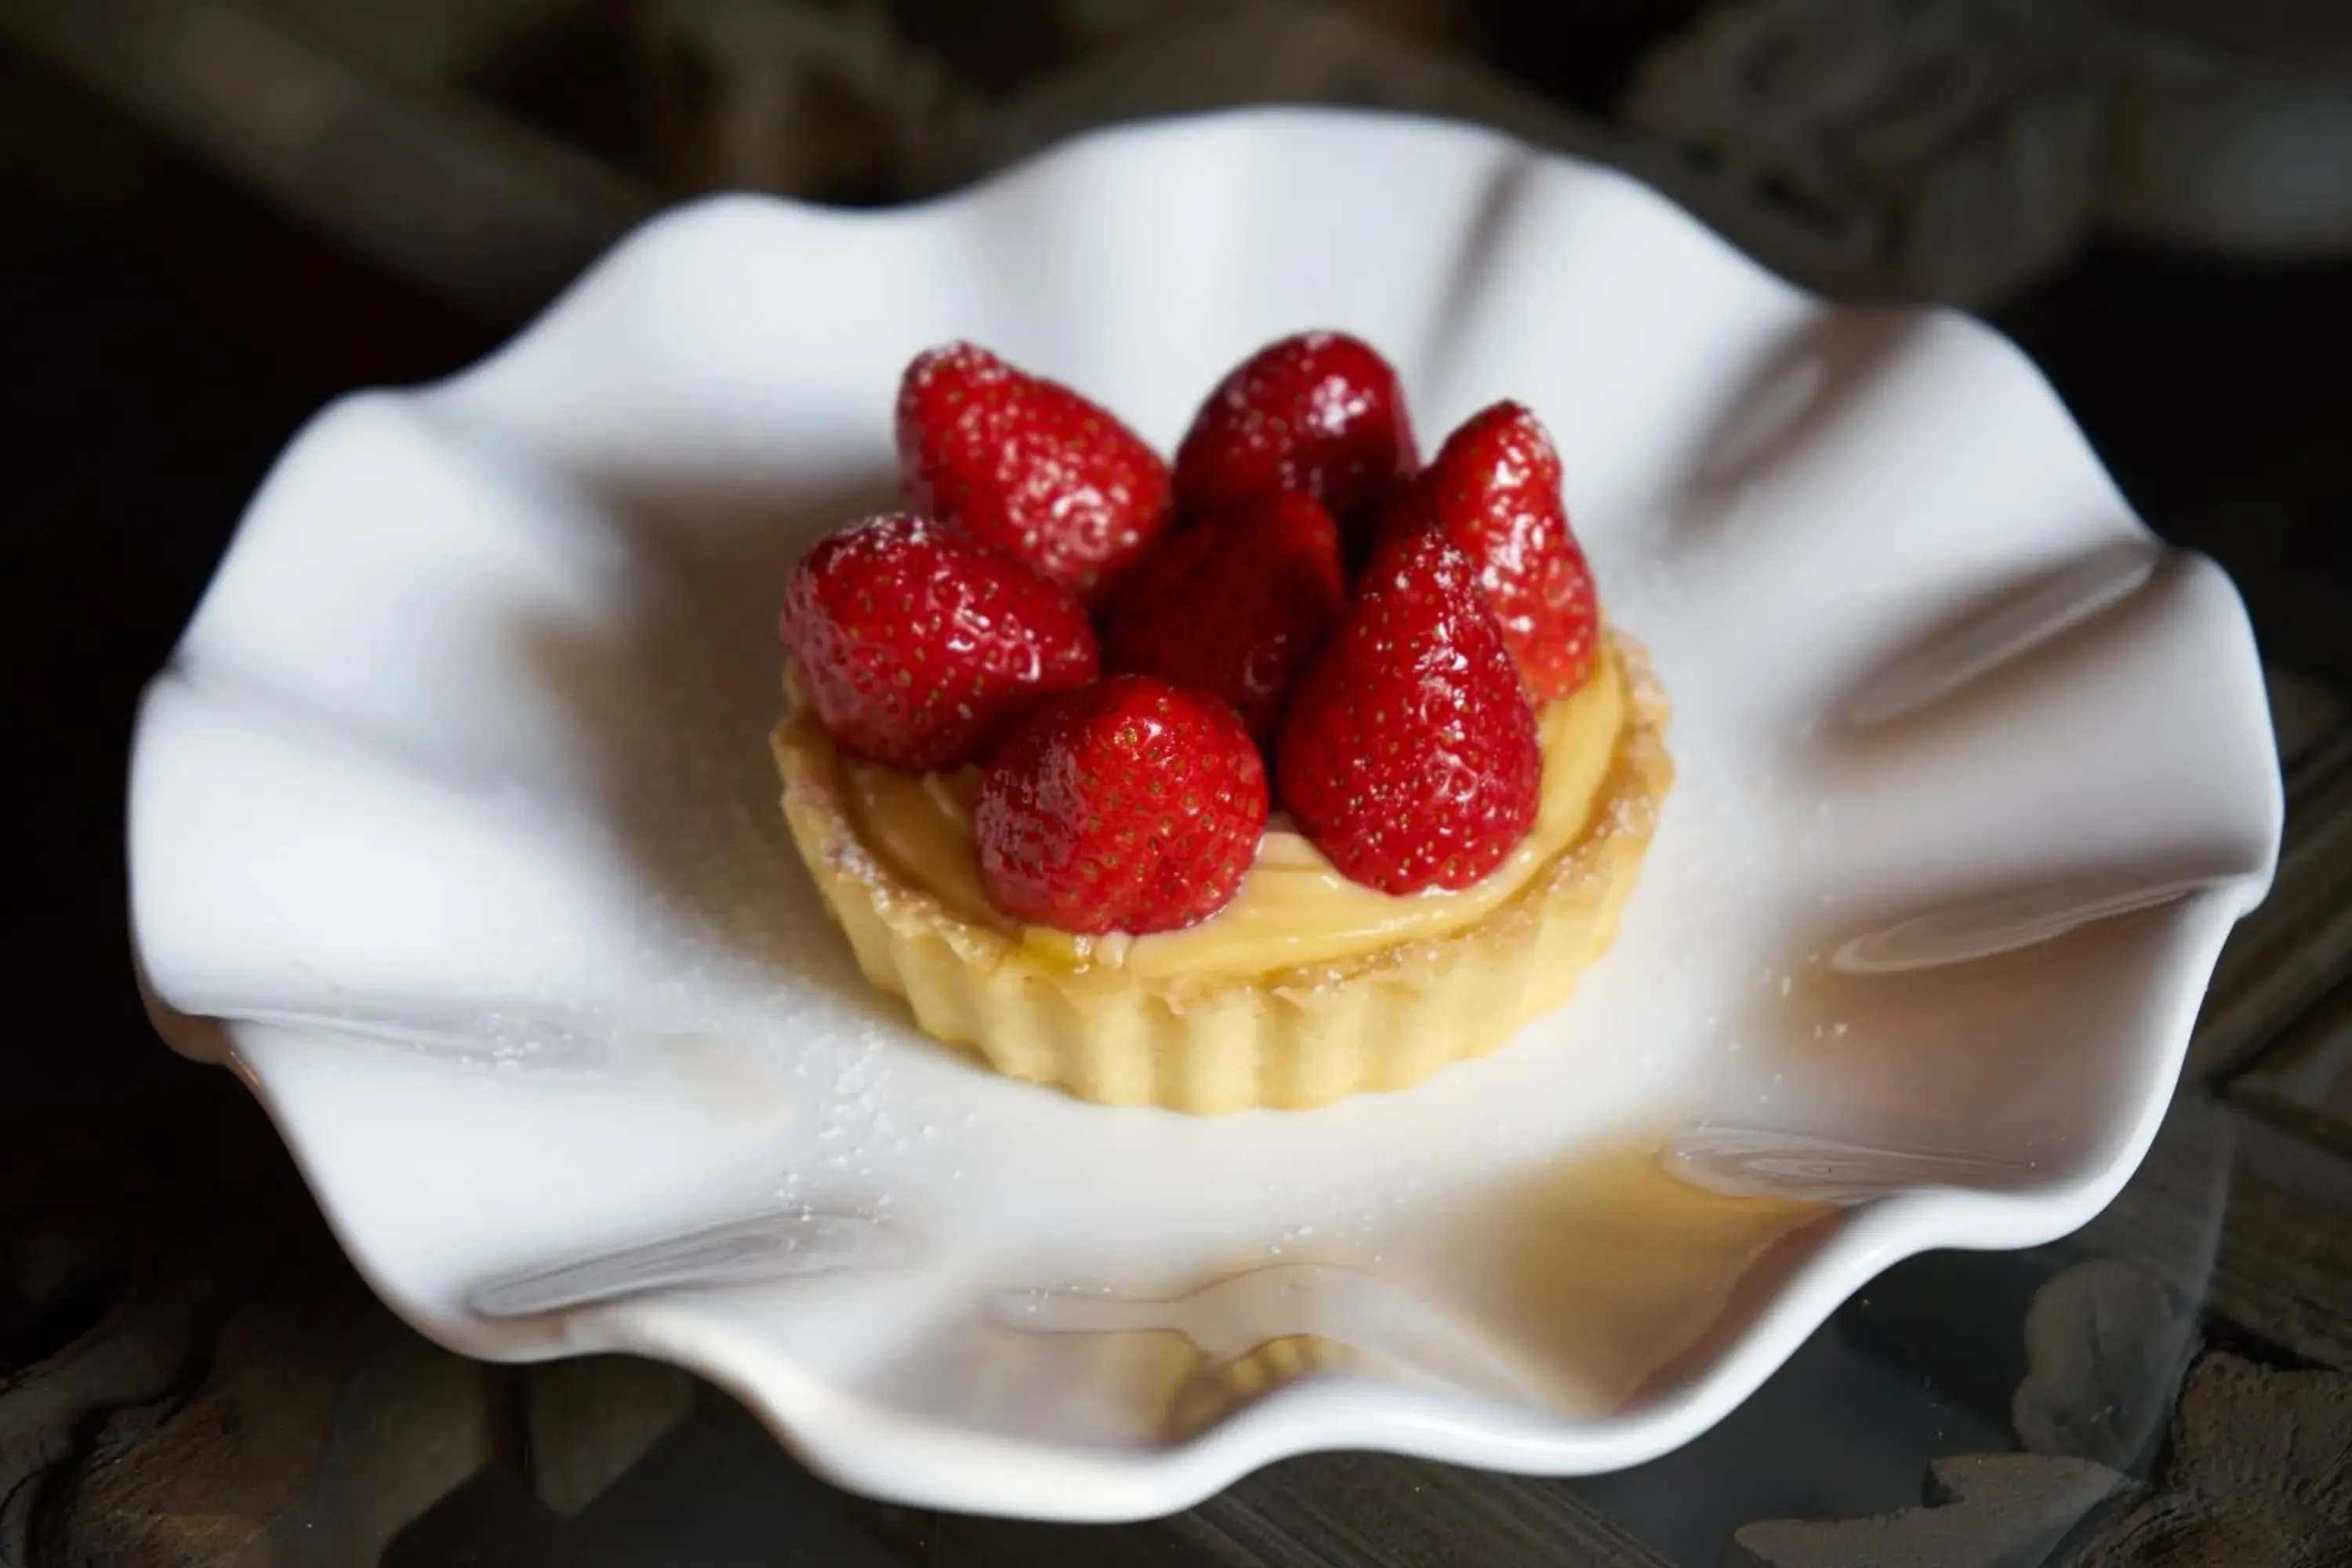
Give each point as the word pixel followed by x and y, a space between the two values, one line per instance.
pixel 1294 1038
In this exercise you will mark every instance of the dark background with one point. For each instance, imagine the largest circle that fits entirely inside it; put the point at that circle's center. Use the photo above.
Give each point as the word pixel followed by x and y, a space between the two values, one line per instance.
pixel 172 308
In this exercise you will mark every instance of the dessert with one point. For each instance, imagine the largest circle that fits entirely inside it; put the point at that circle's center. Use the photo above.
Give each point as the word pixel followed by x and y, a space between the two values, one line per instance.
pixel 1494 490
pixel 1027 465
pixel 1321 413
pixel 1236 606
pixel 1409 756
pixel 917 647
pixel 1288 830
pixel 1132 806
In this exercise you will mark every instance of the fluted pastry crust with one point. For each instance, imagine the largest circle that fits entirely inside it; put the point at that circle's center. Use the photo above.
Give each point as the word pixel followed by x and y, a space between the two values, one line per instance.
pixel 1383 1019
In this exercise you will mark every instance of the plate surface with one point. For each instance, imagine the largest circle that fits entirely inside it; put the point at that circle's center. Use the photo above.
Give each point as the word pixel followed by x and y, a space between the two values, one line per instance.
pixel 453 830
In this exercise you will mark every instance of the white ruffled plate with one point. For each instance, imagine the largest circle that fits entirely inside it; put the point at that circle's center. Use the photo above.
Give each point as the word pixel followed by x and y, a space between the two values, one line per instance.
pixel 454 831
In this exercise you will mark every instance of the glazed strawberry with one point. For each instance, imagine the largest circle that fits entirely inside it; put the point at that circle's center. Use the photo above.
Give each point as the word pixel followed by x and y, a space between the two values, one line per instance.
pixel 917 646
pixel 1494 490
pixel 1234 606
pixel 1130 805
pixel 1024 463
pixel 1409 755
pixel 1322 413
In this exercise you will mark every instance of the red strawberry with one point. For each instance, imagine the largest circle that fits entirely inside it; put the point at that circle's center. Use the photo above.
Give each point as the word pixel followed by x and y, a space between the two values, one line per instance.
pixel 1409 755
pixel 1129 805
pixel 1235 606
pixel 1024 463
pixel 1494 490
pixel 918 646
pixel 1321 413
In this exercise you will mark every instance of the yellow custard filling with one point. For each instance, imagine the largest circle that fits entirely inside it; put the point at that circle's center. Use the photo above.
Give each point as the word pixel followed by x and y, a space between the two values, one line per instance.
pixel 1293 907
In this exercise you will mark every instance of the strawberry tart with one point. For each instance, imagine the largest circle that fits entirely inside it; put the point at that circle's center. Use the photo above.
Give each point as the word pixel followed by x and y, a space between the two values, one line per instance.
pixel 1300 770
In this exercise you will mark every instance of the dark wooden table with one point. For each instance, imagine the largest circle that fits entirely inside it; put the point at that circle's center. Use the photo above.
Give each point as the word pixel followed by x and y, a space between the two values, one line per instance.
pixel 191 1374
